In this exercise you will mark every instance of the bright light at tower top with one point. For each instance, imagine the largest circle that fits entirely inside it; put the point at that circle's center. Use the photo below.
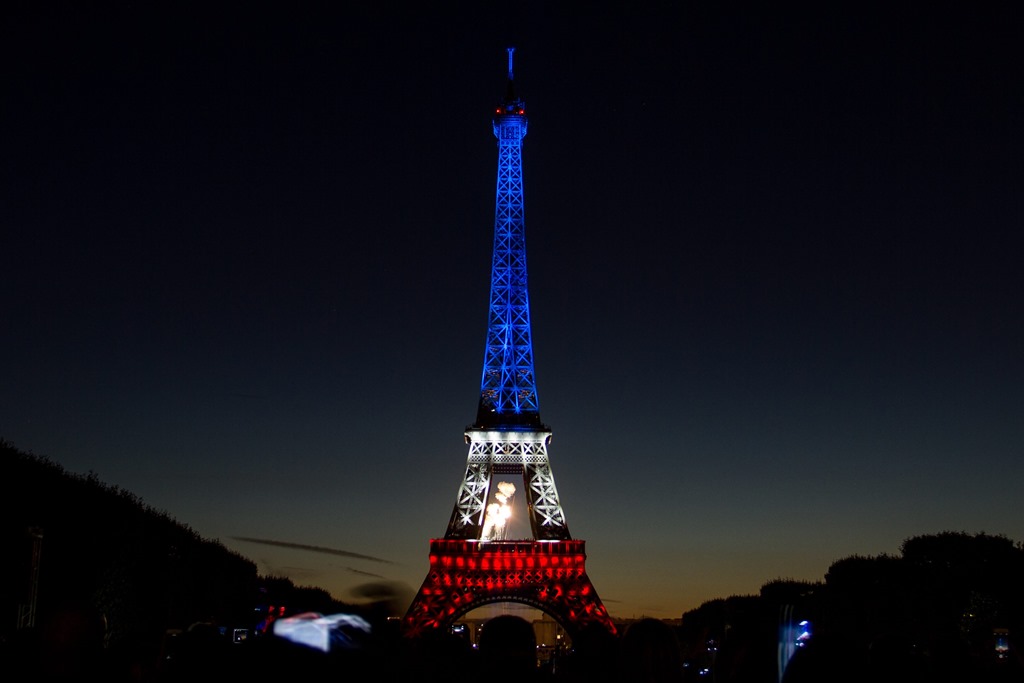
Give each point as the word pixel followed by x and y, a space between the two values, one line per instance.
pixel 511 50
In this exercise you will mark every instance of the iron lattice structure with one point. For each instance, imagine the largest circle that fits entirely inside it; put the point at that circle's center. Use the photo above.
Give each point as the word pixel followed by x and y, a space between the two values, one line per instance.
pixel 508 390
pixel 474 565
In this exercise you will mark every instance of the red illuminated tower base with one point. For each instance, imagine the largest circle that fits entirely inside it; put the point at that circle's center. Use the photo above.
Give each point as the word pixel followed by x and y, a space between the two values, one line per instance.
pixel 548 575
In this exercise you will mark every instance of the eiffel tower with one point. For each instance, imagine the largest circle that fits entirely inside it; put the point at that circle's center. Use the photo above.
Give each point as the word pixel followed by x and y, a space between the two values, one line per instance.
pixel 474 564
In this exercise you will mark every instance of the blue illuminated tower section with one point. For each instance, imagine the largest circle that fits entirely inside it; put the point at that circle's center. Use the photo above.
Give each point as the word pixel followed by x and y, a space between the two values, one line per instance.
pixel 508 390
pixel 508 437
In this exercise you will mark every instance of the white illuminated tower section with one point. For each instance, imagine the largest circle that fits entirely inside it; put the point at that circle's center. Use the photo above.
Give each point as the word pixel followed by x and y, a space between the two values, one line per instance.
pixel 474 564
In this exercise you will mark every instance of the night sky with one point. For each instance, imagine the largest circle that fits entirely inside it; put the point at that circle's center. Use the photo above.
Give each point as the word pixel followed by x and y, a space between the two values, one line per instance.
pixel 774 274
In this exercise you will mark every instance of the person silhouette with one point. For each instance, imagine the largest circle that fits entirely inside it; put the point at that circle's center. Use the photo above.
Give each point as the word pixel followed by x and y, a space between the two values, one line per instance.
pixel 508 649
pixel 649 652
pixel 592 657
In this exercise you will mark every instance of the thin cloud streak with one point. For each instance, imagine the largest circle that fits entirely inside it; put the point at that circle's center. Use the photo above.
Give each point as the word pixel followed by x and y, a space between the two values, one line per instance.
pixel 311 548
pixel 362 573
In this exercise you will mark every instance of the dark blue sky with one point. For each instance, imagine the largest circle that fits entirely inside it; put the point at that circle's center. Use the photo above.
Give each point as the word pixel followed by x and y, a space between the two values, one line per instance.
pixel 774 259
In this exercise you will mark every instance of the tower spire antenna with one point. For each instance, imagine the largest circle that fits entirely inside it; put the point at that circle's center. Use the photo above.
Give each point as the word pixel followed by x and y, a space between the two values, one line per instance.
pixel 512 104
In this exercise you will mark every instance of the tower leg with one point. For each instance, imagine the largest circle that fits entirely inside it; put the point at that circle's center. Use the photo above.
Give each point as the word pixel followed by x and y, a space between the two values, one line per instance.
pixel 468 515
pixel 547 520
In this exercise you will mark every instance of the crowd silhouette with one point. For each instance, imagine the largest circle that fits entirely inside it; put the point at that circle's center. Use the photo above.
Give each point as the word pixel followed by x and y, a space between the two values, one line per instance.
pixel 69 646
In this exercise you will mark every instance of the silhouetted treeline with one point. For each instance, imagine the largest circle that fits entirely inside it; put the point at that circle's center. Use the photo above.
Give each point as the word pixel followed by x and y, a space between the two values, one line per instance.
pixel 102 550
pixel 929 613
